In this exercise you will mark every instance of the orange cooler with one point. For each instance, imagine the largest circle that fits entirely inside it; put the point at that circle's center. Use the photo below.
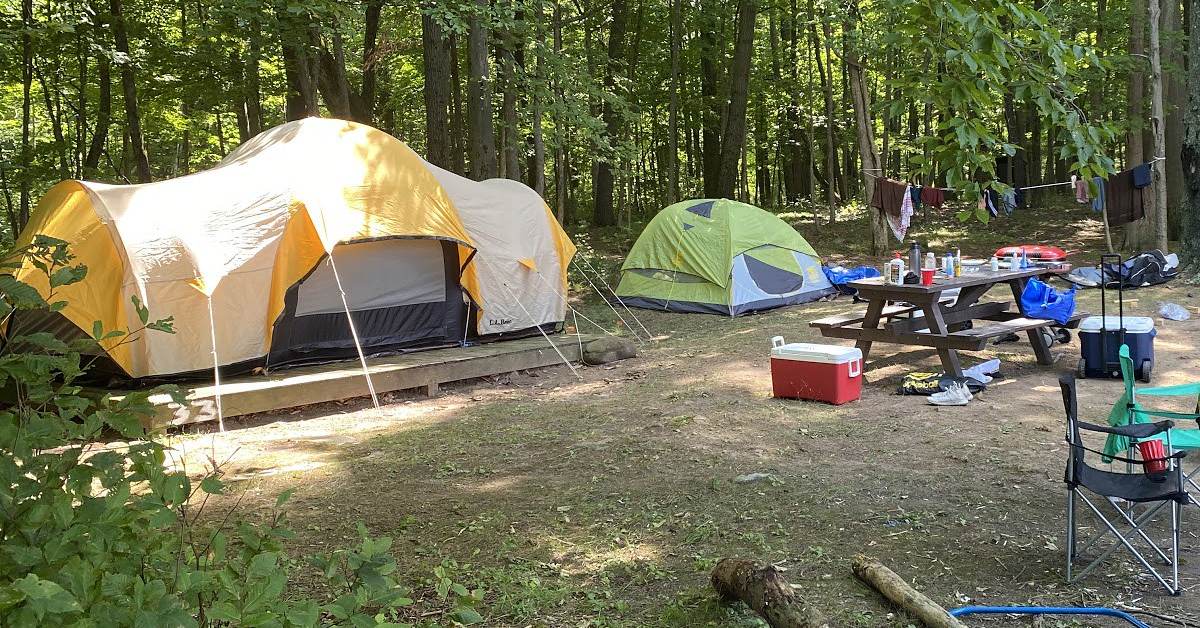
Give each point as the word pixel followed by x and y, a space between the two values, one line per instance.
pixel 815 372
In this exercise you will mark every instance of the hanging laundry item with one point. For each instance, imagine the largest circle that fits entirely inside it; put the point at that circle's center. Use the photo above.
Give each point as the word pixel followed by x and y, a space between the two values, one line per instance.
pixel 1126 199
pixel 1008 201
pixel 1098 202
pixel 892 198
pixel 992 202
pixel 933 196
pixel 1081 190
pixel 1142 176
pixel 915 192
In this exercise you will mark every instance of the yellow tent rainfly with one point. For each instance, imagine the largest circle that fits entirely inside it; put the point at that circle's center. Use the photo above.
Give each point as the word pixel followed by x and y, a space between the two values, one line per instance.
pixel 426 257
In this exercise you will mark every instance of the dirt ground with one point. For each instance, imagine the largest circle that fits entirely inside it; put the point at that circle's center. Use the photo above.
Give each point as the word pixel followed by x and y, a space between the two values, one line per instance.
pixel 606 500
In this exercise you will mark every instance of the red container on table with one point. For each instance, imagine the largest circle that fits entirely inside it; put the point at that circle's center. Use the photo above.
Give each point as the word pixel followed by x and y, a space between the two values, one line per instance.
pixel 1035 252
pixel 816 372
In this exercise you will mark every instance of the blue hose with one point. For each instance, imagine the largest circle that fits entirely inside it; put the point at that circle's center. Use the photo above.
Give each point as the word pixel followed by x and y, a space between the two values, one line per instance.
pixel 1048 610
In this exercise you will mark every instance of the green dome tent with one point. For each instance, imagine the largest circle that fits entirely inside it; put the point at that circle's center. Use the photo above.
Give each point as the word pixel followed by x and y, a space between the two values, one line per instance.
pixel 720 257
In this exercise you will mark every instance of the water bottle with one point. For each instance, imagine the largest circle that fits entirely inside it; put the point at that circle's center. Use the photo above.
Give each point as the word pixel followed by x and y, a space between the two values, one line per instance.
pixel 914 256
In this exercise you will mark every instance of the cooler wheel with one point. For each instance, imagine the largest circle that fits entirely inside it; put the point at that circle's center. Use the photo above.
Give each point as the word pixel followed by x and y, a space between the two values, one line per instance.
pixel 1063 335
pixel 1147 367
pixel 1081 369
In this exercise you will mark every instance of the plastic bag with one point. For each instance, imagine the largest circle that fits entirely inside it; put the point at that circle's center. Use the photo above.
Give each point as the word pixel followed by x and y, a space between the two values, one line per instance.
pixel 1173 311
pixel 1039 300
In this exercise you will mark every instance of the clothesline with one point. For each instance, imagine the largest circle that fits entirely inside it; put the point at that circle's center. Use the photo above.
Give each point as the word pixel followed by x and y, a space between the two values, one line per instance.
pixel 867 172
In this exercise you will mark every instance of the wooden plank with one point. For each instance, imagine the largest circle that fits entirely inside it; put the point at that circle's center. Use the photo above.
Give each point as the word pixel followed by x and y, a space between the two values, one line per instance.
pixel 950 341
pixel 849 319
pixel 953 316
pixel 1003 328
pixel 425 370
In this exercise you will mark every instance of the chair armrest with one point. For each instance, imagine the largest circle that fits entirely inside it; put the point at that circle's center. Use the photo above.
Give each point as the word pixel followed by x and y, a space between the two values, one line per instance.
pixel 1137 430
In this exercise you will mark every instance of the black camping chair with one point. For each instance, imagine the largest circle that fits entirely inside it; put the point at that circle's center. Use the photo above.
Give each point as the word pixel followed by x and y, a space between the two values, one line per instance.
pixel 1135 488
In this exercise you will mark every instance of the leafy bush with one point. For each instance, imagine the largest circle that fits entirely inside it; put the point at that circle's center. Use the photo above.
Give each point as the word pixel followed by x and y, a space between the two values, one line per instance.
pixel 95 535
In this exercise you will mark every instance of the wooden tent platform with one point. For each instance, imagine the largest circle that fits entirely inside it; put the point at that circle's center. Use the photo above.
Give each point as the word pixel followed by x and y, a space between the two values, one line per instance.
pixel 424 370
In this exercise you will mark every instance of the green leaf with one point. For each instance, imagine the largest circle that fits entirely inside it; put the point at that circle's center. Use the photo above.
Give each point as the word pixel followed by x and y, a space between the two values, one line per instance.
pixel 19 294
pixel 467 615
pixel 142 312
pixel 68 275
pixel 283 497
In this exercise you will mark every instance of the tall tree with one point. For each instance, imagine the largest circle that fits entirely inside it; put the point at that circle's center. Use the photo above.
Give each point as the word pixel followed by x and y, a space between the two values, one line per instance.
pixel 1190 232
pixel 435 53
pixel 26 112
pixel 133 117
pixel 479 95
pixel 826 78
pixel 861 99
pixel 295 38
pixel 675 35
pixel 605 213
pixel 1158 126
pixel 733 140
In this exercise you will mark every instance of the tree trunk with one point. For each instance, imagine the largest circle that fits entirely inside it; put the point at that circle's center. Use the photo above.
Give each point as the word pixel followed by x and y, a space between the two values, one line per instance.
pixel 562 169
pixel 458 123
pixel 605 214
pixel 1189 240
pixel 435 50
pixel 479 96
pixel 714 109
pixel 866 140
pixel 371 61
pixel 537 166
pixel 1157 124
pixel 26 117
pixel 764 589
pixel 1175 103
pixel 1096 113
pixel 510 132
pixel 1138 235
pixel 254 116
pixel 733 140
pixel 830 143
pixel 133 118
pixel 295 44
pixel 675 35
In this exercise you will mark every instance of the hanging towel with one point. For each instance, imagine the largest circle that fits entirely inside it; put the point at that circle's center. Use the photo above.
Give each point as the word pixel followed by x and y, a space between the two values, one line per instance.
pixel 1098 202
pixel 891 197
pixel 1142 176
pixel 1081 191
pixel 1126 199
pixel 932 196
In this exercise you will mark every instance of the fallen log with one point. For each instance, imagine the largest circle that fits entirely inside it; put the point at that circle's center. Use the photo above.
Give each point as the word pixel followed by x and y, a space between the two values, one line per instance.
pixel 894 588
pixel 764 589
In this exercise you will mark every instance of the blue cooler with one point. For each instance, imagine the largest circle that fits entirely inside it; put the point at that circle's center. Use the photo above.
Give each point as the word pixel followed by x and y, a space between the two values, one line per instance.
pixel 1100 341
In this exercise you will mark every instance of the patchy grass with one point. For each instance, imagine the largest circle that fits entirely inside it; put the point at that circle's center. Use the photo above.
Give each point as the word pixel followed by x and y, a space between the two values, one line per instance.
pixel 605 501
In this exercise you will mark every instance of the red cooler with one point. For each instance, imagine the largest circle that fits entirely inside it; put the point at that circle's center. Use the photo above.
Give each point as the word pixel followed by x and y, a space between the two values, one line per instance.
pixel 814 372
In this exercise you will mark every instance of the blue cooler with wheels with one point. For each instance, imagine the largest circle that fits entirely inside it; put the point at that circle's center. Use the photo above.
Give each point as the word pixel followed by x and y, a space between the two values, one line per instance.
pixel 1101 337
pixel 1100 340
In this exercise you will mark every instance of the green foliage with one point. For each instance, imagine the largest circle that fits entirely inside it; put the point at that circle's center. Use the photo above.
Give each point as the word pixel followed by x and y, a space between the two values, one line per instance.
pixel 970 57
pixel 107 535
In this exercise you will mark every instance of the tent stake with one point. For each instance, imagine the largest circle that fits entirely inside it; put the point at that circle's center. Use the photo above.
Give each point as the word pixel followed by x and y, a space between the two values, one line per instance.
pixel 362 359
pixel 212 330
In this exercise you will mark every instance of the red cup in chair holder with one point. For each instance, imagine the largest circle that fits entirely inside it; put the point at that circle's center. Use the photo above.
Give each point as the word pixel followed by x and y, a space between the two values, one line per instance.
pixel 1154 456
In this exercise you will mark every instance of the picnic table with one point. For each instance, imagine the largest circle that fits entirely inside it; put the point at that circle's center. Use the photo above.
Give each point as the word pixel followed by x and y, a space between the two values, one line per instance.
pixel 912 314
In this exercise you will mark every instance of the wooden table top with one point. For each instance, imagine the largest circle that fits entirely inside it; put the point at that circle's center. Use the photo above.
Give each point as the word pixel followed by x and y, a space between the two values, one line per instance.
pixel 941 283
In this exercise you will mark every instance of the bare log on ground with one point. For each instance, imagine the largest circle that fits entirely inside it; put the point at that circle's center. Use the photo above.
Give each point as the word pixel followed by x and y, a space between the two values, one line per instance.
pixel 894 588
pixel 765 591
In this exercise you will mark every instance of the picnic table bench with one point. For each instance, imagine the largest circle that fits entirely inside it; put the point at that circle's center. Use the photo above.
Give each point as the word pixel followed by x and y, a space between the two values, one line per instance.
pixel 917 315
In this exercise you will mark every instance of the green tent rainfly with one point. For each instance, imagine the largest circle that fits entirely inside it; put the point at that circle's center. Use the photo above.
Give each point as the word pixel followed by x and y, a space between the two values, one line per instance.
pixel 720 257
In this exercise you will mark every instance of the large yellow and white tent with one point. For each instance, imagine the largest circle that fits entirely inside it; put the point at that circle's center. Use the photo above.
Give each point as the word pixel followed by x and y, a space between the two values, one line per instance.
pixel 262 240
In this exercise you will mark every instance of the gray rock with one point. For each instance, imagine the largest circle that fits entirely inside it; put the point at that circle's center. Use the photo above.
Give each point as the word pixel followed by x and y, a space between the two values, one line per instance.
pixel 750 478
pixel 608 349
